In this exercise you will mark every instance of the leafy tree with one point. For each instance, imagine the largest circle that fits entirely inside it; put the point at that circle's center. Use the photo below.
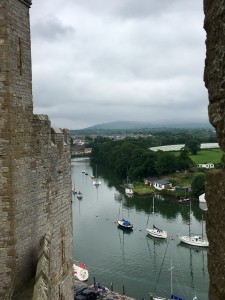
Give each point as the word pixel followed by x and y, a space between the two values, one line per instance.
pixel 166 163
pixel 193 145
pixel 183 161
pixel 198 184
pixel 88 139
pixel 101 139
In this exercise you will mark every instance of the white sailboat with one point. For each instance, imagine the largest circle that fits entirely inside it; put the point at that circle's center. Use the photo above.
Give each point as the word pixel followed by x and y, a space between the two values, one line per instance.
pixel 129 188
pixel 156 232
pixel 74 190
pixel 194 240
pixel 96 181
pixel 79 195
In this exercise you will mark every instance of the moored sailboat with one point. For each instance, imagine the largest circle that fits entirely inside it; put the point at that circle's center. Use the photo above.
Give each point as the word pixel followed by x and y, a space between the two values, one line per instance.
pixel 155 231
pixel 74 190
pixel 195 240
pixel 79 195
pixel 125 224
pixel 96 181
pixel 129 188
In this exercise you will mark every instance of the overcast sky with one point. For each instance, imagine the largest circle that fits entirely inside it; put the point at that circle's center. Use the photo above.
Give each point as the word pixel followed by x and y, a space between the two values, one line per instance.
pixel 98 61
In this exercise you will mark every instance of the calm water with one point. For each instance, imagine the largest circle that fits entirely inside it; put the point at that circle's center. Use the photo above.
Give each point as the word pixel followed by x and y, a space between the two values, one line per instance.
pixel 132 259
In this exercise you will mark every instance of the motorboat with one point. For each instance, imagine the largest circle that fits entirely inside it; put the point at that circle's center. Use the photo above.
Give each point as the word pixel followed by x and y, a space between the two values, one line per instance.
pixel 156 232
pixel 129 191
pixel 124 224
pixel 183 200
pixel 80 271
pixel 195 240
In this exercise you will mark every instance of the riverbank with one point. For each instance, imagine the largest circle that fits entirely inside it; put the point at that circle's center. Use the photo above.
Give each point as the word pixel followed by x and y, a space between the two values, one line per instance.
pixel 181 179
pixel 103 293
pixel 142 189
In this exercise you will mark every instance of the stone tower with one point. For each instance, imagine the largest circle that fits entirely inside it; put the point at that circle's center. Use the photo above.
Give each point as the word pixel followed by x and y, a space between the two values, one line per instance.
pixel 35 172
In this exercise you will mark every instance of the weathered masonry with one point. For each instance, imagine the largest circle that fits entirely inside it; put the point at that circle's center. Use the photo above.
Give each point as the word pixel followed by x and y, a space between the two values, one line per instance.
pixel 215 189
pixel 35 174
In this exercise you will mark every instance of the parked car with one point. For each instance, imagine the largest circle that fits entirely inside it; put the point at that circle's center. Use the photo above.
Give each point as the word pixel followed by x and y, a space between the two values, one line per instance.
pixel 86 294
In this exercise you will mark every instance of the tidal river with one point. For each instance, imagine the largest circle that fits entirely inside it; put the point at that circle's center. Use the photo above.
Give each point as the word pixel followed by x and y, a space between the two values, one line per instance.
pixel 132 261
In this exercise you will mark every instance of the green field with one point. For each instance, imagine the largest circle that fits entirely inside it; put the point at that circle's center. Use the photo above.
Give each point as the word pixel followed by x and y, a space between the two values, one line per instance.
pixel 207 156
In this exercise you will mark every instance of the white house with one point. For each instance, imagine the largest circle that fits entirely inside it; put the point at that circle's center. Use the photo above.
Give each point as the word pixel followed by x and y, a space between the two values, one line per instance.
pixel 87 150
pixel 206 166
pixel 162 184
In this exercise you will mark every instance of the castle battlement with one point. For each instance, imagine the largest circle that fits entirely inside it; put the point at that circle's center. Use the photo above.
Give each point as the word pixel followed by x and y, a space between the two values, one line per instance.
pixel 35 173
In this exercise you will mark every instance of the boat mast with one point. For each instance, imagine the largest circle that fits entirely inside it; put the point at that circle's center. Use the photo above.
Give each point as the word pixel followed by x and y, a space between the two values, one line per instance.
pixel 171 269
pixel 190 221
pixel 153 205
pixel 202 226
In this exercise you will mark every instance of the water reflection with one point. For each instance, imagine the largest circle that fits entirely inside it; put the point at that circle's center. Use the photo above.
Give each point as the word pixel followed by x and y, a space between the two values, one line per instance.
pixel 194 253
pixel 167 207
pixel 132 258
pixel 193 248
pixel 203 206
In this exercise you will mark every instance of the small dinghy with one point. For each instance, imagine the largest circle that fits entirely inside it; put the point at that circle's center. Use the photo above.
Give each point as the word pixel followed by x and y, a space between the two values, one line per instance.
pixel 124 224
pixel 80 271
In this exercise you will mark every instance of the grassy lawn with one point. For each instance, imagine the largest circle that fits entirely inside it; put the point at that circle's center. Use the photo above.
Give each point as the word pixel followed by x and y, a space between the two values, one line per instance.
pixel 142 189
pixel 183 178
pixel 207 156
pixel 204 156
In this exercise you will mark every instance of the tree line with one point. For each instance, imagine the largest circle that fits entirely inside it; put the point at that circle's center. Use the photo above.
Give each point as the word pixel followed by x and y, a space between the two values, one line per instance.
pixel 132 157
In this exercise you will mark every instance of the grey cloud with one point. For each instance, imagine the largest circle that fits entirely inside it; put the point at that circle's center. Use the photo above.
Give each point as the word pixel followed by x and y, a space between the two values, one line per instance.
pixel 50 28
pixel 128 60
pixel 133 9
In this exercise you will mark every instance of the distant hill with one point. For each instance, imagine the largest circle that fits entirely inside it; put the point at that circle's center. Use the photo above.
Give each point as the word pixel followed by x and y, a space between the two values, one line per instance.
pixel 121 125
pixel 134 126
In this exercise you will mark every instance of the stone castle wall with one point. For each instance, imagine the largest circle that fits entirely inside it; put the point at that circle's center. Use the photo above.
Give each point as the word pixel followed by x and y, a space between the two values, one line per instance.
pixel 214 77
pixel 35 174
pixel 35 181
